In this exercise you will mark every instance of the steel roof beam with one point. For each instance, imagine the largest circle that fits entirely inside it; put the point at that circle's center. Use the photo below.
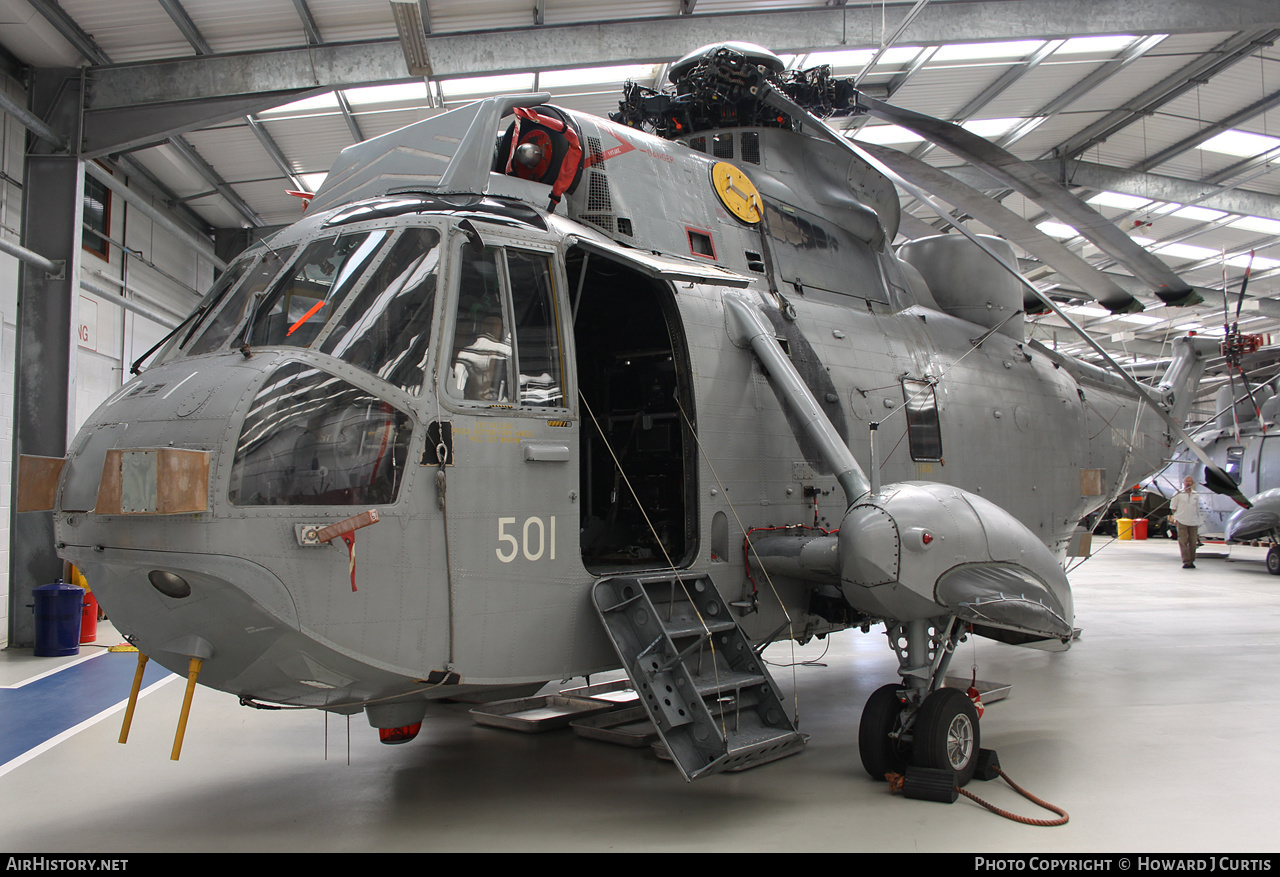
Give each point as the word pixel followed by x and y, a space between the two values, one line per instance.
pixel 187 26
pixel 71 32
pixel 1226 54
pixel 212 177
pixel 309 25
pixel 652 40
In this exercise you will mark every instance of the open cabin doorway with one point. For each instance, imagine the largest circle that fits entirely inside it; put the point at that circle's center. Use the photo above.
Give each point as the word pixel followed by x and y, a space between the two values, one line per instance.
pixel 638 457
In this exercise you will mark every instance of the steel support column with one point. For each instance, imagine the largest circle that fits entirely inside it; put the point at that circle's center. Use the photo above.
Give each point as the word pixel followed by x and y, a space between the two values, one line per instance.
pixel 45 380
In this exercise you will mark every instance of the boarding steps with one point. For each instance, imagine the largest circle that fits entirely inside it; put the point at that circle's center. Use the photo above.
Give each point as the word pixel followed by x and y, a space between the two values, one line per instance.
pixel 705 689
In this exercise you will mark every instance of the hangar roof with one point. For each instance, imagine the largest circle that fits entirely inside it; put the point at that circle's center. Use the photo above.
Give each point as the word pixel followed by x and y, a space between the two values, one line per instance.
pixel 1167 123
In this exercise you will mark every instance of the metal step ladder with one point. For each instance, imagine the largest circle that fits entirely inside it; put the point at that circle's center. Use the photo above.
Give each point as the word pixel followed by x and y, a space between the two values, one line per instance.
pixel 706 690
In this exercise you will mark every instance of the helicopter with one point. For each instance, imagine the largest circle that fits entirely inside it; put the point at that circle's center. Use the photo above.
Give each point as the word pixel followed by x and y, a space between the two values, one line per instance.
pixel 529 394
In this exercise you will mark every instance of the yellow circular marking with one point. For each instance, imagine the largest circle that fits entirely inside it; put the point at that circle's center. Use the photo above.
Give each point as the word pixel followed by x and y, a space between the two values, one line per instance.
pixel 736 192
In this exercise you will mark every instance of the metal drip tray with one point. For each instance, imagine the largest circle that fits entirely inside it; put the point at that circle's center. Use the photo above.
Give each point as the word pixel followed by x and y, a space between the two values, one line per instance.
pixel 546 712
pixel 626 727
pixel 619 692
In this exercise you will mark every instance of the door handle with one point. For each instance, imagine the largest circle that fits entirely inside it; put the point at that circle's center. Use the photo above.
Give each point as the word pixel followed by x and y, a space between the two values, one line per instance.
pixel 542 452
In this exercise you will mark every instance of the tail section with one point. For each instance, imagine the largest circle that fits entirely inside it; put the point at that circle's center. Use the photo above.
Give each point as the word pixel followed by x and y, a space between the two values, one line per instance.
pixel 1177 389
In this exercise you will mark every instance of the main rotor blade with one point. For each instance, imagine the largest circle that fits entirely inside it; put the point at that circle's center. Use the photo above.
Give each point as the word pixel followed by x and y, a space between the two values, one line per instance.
pixel 1215 479
pixel 1045 191
pixel 1010 226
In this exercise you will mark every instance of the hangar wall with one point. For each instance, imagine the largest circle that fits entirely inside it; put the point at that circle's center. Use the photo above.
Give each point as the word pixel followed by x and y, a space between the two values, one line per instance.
pixel 110 337
pixel 12 142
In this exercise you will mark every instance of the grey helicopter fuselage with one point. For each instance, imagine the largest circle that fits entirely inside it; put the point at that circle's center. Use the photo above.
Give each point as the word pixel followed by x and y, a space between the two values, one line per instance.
pixel 348 364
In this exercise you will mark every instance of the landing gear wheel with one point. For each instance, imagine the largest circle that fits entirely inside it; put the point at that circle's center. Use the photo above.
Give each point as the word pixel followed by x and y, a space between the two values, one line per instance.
pixel 1273 560
pixel 882 754
pixel 946 734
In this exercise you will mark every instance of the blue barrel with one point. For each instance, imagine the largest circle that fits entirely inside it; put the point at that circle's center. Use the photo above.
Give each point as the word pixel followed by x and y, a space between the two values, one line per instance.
pixel 58 609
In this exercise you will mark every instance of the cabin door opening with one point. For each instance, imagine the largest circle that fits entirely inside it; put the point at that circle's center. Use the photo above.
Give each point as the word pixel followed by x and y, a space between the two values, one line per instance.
pixel 637 461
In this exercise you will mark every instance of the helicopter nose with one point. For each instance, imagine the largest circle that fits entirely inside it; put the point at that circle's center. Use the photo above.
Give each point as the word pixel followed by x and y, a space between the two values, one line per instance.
pixel 188 498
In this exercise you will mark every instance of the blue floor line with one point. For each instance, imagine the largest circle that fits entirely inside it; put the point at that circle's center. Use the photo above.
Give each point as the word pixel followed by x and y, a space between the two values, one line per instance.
pixel 43 709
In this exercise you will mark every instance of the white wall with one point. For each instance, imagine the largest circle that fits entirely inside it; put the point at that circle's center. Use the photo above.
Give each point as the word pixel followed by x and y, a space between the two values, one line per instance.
pixel 12 142
pixel 111 337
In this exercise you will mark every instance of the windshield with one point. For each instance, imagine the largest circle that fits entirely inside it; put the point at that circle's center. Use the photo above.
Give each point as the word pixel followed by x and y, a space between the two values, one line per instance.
pixel 312 290
pixel 238 302
pixel 387 327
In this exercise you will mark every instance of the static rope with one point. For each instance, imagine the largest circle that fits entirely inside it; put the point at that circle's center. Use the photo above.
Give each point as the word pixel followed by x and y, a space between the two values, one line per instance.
pixel 1026 820
pixel 897 780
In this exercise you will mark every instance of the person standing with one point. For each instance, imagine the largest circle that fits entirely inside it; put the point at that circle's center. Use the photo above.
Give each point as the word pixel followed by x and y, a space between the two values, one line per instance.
pixel 1184 511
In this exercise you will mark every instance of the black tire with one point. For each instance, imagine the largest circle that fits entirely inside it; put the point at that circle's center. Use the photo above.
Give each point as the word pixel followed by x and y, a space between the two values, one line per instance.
pixel 947 735
pixel 882 754
pixel 1273 560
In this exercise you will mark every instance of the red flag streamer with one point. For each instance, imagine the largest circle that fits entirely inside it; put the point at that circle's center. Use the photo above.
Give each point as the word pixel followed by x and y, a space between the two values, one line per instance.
pixel 350 539
pixel 345 530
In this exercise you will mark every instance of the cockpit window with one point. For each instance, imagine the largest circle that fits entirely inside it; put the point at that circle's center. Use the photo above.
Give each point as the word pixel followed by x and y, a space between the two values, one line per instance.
pixel 387 327
pixel 301 302
pixel 481 342
pixel 239 302
pixel 506 347
pixel 537 339
pixel 311 438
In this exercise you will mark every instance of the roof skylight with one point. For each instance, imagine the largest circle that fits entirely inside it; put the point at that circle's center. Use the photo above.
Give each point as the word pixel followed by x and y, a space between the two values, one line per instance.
pixel 1057 230
pixel 480 85
pixel 306 106
pixel 1258 224
pixel 1083 45
pixel 1122 201
pixel 987 51
pixel 596 75
pixel 887 134
pixel 386 94
pixel 1242 143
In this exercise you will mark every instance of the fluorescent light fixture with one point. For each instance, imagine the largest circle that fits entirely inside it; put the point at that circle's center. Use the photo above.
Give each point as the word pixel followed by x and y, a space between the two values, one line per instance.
pixel 1057 230
pixel 477 85
pixel 887 134
pixel 313 181
pixel 307 106
pixel 387 94
pixel 1258 224
pixel 1122 201
pixel 1241 143
pixel 987 51
pixel 595 75
pixel 413 36
pixel 1106 45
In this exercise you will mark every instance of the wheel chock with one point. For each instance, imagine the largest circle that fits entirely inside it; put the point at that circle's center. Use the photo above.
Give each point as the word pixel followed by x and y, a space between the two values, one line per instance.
pixel 988 765
pixel 931 784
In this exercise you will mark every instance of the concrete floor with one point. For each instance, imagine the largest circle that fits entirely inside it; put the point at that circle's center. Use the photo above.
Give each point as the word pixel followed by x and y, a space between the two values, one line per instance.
pixel 1157 732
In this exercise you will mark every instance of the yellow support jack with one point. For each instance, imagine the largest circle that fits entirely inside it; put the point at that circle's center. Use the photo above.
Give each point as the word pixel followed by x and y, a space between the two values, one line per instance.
pixel 193 670
pixel 133 698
